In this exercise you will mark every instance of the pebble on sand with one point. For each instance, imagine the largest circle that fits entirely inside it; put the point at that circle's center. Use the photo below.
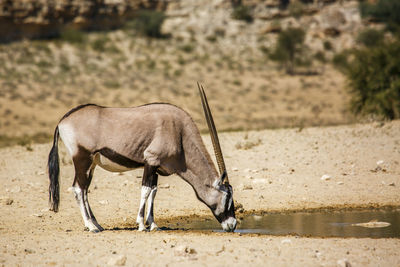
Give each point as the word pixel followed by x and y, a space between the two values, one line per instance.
pixel 343 263
pixel 246 187
pixel 8 201
pixel 325 177
pixel 183 250
pixel 119 260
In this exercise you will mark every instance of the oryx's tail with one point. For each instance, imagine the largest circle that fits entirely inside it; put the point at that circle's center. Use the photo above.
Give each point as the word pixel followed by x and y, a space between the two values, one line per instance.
pixel 53 166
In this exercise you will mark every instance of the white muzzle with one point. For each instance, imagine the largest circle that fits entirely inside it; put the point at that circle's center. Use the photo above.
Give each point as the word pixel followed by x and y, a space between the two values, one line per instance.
pixel 229 224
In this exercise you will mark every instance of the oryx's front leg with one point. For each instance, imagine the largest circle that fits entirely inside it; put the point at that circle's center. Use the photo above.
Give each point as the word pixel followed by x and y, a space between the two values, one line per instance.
pixel 150 214
pixel 149 188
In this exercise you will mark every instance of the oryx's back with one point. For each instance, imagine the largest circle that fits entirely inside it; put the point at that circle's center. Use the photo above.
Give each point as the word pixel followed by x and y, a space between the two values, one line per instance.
pixel 126 131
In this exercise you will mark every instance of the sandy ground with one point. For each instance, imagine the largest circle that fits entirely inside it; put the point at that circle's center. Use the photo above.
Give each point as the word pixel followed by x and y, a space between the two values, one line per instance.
pixel 270 170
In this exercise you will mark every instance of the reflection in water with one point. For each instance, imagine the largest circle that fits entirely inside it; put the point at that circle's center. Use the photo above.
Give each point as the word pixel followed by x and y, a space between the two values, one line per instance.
pixel 319 224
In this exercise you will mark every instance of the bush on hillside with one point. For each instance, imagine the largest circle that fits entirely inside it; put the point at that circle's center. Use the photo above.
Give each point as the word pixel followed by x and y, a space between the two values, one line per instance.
pixel 289 48
pixel 370 37
pixel 242 12
pixel 73 36
pixel 148 23
pixel 387 11
pixel 374 79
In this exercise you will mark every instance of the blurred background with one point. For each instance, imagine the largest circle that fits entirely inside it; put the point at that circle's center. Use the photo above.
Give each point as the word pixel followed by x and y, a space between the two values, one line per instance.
pixel 263 63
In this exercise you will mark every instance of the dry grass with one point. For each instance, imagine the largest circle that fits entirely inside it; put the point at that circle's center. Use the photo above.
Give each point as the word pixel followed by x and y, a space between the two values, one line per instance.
pixel 42 80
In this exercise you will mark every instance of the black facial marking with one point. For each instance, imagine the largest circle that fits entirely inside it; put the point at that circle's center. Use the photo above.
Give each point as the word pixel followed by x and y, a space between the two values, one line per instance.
pixel 118 158
pixel 228 211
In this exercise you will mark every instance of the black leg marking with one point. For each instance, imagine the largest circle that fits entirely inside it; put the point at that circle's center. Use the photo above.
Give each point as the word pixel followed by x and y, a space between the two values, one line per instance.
pixel 149 187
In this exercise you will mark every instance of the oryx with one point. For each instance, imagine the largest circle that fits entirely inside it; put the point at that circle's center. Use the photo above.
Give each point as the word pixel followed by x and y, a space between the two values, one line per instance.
pixel 162 138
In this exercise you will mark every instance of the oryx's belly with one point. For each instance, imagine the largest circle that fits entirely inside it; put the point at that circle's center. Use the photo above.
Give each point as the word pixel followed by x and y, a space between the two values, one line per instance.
pixel 109 165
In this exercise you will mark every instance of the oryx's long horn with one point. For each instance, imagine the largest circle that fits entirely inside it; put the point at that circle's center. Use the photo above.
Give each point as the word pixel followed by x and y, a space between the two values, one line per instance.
pixel 213 133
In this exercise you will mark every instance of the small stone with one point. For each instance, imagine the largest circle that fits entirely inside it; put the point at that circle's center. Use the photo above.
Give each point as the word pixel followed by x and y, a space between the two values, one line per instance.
pixel 183 250
pixel 391 184
pixel 247 187
pixel 343 263
pixel 286 241
pixel 15 189
pixel 8 201
pixel 340 183
pixel 235 169
pixel 103 202
pixel 119 260
pixel 249 177
pixel 164 186
pixel 379 162
pixel 325 177
pixel 260 181
pixel 220 251
pixel 29 251
pixel 39 215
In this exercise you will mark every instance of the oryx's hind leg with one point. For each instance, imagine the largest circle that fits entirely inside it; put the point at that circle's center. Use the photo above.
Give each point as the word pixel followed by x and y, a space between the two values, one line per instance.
pixel 84 168
pixel 149 188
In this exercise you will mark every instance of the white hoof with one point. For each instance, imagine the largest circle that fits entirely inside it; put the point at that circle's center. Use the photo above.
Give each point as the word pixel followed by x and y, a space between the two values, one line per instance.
pixel 93 227
pixel 153 227
pixel 141 227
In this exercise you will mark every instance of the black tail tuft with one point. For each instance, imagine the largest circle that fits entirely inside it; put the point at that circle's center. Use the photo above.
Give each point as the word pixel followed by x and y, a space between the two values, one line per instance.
pixel 54 172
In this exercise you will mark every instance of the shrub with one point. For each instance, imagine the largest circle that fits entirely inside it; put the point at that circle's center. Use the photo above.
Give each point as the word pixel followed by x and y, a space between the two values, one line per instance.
pixel 148 23
pixel 187 48
pixel 289 48
pixel 341 61
pixel 374 79
pixel 387 11
pixel 72 35
pixel 370 37
pixel 242 12
pixel 100 44
pixel 320 56
pixel 327 45
pixel 296 9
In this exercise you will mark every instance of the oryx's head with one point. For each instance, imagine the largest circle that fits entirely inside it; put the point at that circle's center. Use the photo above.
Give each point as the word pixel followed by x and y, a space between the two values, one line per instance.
pixel 221 198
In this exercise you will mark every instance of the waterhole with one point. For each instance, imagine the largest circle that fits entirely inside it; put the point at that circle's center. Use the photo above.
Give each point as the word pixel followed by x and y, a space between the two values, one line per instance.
pixel 355 223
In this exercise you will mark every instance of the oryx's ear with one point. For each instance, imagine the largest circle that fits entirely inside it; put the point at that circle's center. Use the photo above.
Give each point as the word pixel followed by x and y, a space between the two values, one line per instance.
pixel 217 184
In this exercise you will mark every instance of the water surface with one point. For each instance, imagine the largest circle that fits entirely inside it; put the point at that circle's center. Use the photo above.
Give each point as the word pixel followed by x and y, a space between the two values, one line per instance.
pixel 317 224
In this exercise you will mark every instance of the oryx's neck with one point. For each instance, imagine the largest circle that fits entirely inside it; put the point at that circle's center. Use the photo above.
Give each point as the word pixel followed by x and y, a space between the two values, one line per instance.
pixel 200 171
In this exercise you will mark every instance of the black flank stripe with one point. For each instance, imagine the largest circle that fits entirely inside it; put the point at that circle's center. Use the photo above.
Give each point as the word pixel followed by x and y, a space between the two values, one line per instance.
pixel 118 158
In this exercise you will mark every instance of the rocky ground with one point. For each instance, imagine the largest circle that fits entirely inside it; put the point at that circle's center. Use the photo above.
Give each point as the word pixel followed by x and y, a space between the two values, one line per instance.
pixel 270 170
